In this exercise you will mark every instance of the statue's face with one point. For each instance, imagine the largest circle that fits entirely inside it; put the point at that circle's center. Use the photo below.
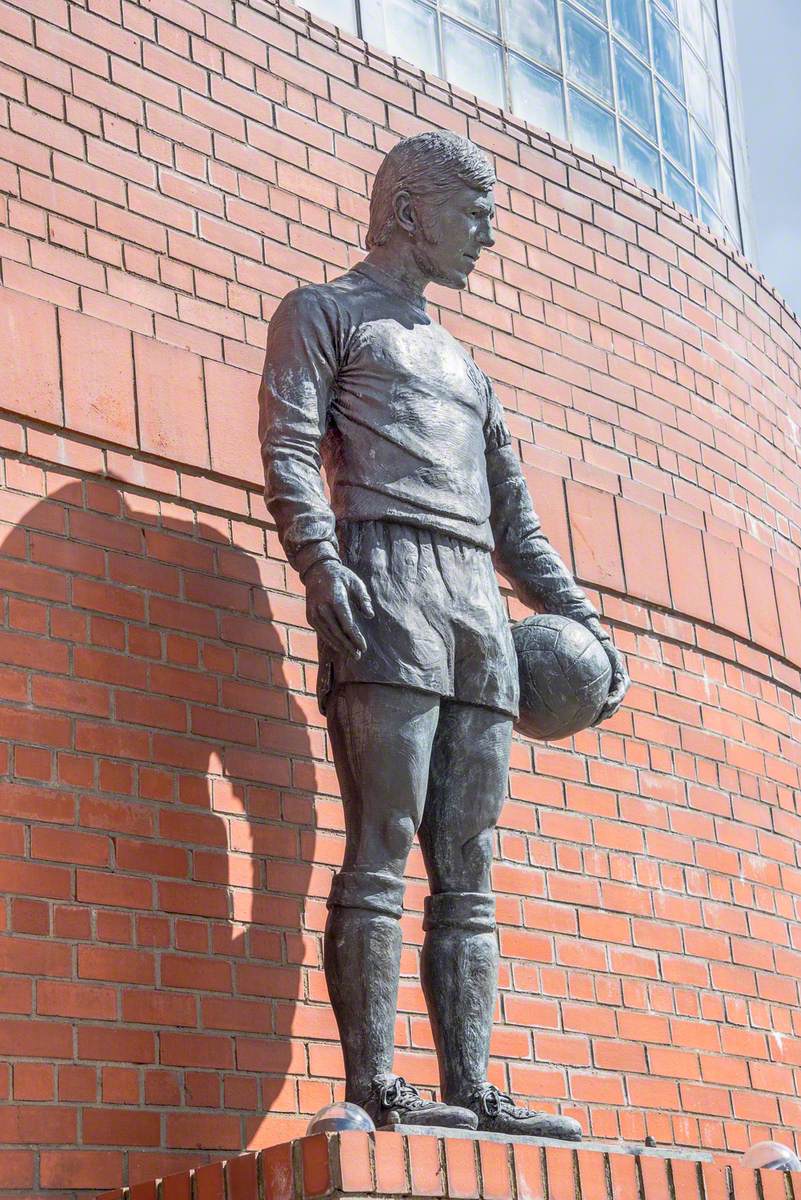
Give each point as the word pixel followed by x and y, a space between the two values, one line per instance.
pixel 453 235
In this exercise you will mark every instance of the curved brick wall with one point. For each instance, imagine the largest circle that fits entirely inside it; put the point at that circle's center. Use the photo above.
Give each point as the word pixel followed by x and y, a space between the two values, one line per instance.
pixel 168 812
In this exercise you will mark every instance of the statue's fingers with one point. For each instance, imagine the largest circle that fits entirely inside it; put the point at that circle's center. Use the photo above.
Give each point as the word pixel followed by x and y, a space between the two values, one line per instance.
pixel 322 625
pixel 606 712
pixel 330 629
pixel 620 676
pixel 613 701
pixel 348 627
pixel 361 595
pixel 619 685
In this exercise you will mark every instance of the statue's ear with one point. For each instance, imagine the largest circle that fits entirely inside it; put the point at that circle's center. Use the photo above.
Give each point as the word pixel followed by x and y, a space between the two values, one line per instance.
pixel 404 212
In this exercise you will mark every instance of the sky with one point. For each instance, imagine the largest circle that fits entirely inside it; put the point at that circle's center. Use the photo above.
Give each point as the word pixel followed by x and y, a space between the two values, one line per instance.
pixel 769 50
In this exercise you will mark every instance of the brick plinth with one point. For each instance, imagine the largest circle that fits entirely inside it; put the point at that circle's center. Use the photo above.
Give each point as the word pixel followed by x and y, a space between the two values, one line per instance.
pixel 384 1166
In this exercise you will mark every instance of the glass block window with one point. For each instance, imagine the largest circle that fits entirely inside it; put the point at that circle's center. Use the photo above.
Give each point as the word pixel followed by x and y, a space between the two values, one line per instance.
pixel 630 21
pixel 649 85
pixel 537 95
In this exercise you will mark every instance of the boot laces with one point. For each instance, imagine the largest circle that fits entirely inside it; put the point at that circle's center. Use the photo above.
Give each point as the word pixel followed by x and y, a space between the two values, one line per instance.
pixel 494 1102
pixel 400 1094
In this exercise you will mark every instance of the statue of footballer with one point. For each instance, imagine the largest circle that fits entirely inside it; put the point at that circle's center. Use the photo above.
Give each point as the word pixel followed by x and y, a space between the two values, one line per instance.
pixel 418 677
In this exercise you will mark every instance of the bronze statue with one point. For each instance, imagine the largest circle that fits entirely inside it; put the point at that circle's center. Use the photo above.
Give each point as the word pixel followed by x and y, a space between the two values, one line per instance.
pixel 418 678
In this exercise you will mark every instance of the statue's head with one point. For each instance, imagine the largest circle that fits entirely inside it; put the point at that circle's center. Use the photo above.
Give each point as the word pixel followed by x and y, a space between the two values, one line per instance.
pixel 434 192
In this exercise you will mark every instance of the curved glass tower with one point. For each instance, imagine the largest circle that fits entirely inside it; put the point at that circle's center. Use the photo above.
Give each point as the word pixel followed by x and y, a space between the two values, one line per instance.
pixel 650 85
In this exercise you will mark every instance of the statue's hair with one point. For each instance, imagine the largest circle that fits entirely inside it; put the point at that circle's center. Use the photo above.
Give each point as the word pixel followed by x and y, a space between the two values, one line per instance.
pixel 428 166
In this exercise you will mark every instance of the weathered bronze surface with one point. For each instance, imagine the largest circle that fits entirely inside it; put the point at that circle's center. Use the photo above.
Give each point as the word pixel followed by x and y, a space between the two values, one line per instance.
pixel 418 676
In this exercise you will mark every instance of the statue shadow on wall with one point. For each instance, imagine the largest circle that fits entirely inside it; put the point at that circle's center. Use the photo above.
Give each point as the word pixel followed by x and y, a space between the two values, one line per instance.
pixel 202 774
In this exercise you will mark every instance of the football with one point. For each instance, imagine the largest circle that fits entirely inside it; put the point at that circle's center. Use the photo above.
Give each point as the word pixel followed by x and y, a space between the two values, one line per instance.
pixel 564 676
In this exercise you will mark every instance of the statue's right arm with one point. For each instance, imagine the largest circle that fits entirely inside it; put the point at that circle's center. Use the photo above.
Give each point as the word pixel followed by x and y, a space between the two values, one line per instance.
pixel 300 367
pixel 305 346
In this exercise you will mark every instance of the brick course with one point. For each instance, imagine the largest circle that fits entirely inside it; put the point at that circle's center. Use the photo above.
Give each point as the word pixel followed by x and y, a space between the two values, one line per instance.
pixel 169 821
pixel 384 1165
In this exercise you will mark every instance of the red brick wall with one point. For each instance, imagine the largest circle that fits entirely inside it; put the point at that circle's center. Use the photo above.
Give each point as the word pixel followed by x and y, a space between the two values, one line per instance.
pixel 168 814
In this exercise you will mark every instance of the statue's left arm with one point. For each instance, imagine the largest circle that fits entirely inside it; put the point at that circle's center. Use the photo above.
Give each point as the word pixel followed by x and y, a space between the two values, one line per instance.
pixel 522 551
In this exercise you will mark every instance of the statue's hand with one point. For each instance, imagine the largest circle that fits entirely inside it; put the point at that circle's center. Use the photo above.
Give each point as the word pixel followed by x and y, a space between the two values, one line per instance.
pixel 330 590
pixel 620 682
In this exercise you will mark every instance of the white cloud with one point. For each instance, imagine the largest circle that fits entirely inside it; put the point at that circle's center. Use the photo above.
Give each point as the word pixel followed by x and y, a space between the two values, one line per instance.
pixel 769 50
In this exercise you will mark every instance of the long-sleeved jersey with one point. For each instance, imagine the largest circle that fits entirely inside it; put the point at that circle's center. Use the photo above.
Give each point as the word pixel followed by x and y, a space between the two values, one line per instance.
pixel 359 378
